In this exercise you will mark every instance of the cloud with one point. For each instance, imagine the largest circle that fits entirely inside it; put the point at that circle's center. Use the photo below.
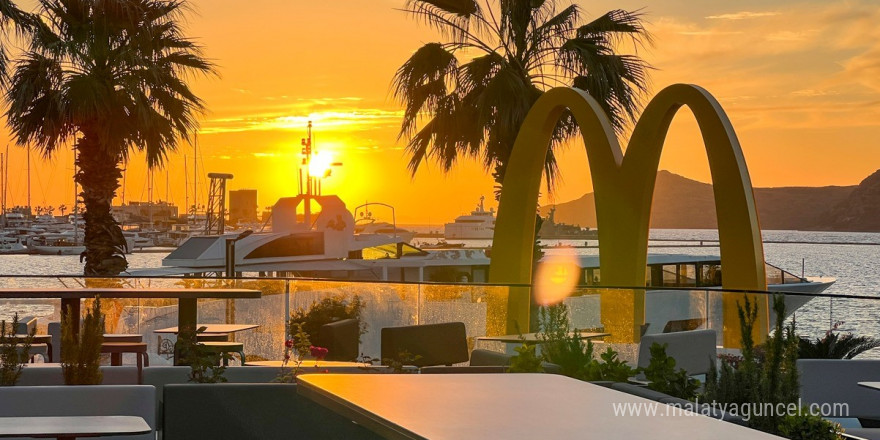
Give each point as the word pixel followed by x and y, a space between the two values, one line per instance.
pixel 351 119
pixel 742 15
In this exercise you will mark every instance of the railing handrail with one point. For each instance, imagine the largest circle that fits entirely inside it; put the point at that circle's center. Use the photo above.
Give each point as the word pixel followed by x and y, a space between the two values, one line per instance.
pixel 443 283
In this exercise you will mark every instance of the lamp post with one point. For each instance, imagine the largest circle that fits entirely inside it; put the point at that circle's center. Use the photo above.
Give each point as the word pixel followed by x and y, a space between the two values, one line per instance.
pixel 230 252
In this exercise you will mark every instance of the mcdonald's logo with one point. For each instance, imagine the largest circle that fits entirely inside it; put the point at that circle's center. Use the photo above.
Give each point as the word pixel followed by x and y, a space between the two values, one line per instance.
pixel 624 185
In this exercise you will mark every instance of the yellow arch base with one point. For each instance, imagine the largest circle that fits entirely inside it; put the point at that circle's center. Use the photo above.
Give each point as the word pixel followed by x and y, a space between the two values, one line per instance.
pixel 624 188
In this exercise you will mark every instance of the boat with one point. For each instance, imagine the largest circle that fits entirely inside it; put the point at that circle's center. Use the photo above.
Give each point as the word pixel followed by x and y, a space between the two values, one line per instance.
pixel 552 230
pixel 684 298
pixel 365 224
pixel 51 243
pixel 11 245
pixel 136 241
pixel 478 225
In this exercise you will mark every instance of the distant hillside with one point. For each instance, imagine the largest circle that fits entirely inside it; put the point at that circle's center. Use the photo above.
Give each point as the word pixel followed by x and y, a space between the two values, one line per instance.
pixel 683 203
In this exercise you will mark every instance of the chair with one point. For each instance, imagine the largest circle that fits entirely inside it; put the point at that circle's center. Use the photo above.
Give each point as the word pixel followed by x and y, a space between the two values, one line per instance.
pixel 225 347
pixel 28 325
pixel 433 344
pixel 694 351
pixel 341 339
pixel 488 358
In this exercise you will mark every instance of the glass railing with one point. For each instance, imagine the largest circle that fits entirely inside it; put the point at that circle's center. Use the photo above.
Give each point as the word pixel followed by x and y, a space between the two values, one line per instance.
pixel 482 307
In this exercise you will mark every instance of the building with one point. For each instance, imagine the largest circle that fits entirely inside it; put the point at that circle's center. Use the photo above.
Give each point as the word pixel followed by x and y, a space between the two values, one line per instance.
pixel 145 213
pixel 242 206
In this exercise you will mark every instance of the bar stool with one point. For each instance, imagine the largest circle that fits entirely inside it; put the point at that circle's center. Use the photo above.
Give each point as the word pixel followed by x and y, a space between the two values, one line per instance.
pixel 118 348
pixel 116 358
pixel 225 347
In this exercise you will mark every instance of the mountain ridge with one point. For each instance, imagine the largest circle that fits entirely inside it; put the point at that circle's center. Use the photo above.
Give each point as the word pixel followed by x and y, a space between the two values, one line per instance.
pixel 682 203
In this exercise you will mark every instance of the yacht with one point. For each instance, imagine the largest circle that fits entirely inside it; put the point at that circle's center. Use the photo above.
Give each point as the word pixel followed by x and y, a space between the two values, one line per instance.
pixel 52 243
pixel 11 245
pixel 136 241
pixel 683 297
pixel 478 225
pixel 323 247
pixel 365 224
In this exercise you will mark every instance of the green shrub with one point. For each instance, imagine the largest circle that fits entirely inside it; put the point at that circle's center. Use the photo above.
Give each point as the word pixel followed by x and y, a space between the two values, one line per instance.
pixel 205 364
pixel 560 345
pixel 766 376
pixel 526 361
pixel 325 311
pixel 81 354
pixel 804 426
pixel 663 377
pixel 835 345
pixel 13 352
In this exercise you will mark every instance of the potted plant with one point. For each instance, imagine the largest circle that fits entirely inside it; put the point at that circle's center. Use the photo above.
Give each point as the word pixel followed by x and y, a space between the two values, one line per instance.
pixel 81 353
pixel 14 352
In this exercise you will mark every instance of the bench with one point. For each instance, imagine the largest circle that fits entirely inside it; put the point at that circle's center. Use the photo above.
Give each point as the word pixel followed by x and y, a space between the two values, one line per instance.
pixel 251 411
pixel 83 400
pixel 834 382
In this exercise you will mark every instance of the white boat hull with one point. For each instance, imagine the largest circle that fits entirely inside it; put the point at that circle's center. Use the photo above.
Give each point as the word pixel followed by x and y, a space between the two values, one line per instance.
pixel 58 250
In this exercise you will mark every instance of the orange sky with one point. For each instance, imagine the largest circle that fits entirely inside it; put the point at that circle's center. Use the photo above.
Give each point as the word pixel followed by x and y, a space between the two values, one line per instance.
pixel 799 79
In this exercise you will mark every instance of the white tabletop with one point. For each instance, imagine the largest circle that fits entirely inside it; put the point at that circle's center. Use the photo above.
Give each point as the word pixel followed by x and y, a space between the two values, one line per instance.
pixel 78 426
pixel 872 385
pixel 504 406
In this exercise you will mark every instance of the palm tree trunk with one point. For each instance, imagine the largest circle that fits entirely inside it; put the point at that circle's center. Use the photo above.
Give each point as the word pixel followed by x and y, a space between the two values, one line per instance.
pixel 99 176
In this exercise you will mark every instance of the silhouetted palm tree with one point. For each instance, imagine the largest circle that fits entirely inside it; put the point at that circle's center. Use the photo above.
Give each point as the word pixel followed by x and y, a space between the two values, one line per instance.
pixel 109 74
pixel 11 18
pixel 515 50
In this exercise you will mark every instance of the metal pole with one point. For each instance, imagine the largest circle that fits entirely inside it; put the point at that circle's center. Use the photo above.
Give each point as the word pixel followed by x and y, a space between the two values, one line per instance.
pixel 230 258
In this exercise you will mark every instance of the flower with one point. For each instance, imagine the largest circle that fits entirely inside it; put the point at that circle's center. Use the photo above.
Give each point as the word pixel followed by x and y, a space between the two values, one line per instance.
pixel 288 343
pixel 318 353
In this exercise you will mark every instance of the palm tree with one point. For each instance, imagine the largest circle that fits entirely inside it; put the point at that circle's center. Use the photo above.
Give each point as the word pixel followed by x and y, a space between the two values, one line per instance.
pixel 109 75
pixel 10 16
pixel 518 48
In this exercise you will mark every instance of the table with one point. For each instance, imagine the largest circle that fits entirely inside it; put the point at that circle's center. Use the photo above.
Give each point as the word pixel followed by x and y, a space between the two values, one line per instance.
pixel 532 338
pixel 504 406
pixel 187 298
pixel 311 363
pixel 72 427
pixel 871 385
pixel 212 328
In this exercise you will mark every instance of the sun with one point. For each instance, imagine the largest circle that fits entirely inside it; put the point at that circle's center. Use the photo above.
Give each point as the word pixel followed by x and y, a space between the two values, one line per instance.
pixel 320 164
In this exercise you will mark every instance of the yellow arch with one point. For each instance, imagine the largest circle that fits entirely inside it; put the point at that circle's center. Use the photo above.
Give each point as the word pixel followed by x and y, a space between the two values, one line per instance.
pixel 624 187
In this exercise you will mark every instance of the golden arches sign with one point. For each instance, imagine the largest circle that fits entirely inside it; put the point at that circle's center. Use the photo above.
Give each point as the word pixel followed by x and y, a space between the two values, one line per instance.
pixel 624 188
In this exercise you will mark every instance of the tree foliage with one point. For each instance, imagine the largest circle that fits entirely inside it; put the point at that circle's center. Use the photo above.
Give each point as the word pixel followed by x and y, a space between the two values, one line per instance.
pixel 517 49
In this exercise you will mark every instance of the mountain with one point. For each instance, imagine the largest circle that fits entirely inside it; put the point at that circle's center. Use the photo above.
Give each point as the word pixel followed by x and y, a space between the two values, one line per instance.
pixel 683 203
pixel 860 211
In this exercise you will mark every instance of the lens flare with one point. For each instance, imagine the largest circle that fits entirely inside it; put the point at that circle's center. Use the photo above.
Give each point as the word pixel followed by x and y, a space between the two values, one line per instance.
pixel 556 277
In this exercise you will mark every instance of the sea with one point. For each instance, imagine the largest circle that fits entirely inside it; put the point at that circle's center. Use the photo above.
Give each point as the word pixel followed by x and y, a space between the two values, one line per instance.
pixel 851 258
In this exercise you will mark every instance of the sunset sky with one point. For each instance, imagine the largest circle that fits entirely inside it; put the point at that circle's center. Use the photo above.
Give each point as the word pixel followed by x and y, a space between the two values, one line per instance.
pixel 799 79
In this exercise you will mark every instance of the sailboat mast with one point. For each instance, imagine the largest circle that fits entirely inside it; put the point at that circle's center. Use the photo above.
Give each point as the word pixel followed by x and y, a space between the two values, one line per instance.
pixel 3 180
pixel 29 177
pixel 75 197
pixel 185 188
pixel 195 176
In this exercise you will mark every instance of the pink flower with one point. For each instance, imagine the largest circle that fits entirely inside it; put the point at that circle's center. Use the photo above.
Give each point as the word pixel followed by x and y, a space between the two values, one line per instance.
pixel 288 343
pixel 318 353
